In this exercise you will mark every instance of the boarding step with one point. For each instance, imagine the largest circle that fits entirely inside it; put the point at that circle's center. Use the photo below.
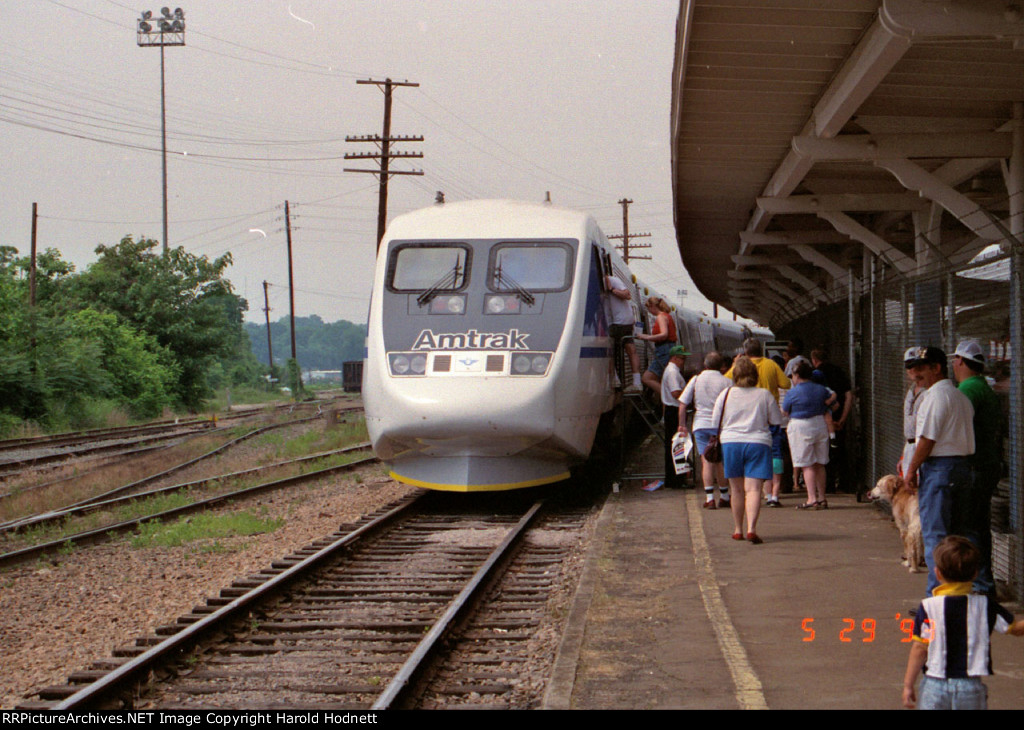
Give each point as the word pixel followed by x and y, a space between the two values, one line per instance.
pixel 650 416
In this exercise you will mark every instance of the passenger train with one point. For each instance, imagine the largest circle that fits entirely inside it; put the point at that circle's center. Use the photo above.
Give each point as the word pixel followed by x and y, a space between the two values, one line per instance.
pixel 488 364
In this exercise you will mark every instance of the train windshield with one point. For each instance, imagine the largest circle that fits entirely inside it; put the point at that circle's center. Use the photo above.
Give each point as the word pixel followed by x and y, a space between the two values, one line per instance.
pixel 534 267
pixel 428 267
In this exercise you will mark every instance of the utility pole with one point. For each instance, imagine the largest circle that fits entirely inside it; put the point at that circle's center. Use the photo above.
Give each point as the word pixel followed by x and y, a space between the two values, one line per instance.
pixel 385 155
pixel 32 259
pixel 32 292
pixel 266 310
pixel 626 236
pixel 291 277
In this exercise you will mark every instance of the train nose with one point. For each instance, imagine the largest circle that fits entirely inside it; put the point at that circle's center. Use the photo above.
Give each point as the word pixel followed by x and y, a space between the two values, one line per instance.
pixel 448 425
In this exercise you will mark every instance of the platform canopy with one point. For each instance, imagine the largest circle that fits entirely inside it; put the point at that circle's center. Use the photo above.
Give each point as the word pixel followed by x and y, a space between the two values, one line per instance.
pixel 814 143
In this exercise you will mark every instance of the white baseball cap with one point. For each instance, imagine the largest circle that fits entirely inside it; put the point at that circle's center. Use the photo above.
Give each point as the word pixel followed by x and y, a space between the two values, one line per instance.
pixel 971 350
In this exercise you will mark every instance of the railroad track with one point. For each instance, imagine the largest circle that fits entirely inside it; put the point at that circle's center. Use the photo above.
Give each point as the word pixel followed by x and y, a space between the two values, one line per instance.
pixel 357 620
pixel 153 477
pixel 36 452
pixel 98 434
pixel 109 531
pixel 126 443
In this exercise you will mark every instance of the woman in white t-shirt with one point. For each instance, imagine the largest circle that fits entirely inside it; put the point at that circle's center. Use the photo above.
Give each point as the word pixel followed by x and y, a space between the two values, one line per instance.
pixel 702 392
pixel 746 412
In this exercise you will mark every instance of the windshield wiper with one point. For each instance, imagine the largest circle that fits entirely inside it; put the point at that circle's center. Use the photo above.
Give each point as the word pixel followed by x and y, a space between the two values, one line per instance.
pixel 509 283
pixel 445 282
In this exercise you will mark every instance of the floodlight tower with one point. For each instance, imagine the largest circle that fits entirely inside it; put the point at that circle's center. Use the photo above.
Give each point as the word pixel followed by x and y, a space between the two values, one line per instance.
pixel 169 30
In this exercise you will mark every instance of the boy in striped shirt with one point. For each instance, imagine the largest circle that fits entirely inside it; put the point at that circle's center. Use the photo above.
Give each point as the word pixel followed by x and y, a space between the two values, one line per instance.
pixel 951 634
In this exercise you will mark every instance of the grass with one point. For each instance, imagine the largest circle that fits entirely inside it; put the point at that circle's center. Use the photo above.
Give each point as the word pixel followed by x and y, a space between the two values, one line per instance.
pixel 100 518
pixel 206 526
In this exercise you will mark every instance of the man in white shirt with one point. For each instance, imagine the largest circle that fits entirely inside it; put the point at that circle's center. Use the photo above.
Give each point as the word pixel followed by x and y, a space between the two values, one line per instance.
pixel 943 441
pixel 794 356
pixel 672 384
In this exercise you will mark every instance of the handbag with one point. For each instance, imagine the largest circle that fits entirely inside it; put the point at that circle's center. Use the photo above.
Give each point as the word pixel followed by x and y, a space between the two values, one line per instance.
pixel 713 451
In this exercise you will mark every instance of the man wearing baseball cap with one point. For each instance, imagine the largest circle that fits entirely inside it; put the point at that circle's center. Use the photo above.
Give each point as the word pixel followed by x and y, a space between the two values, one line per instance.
pixel 968 366
pixel 943 441
pixel 672 384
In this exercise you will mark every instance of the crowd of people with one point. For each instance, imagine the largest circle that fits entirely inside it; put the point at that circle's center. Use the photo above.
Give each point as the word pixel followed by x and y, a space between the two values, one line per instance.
pixel 762 413
pixel 751 411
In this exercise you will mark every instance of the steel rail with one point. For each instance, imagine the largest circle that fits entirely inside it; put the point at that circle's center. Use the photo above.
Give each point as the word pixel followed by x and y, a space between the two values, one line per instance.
pixel 58 514
pixel 192 634
pixel 97 433
pixel 190 462
pixel 154 448
pixel 427 645
pixel 119 448
pixel 102 533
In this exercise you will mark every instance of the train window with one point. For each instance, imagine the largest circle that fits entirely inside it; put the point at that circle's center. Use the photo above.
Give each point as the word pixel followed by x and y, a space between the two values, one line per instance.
pixel 420 267
pixel 533 267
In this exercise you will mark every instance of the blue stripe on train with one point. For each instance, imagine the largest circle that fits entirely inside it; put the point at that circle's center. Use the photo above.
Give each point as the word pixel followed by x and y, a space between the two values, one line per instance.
pixel 595 352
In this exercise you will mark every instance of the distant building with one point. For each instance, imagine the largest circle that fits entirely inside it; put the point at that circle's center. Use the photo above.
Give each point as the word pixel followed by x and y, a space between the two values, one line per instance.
pixel 323 376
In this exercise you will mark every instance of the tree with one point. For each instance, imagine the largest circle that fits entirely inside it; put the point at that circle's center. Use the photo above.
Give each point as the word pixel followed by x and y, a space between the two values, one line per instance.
pixel 140 373
pixel 180 300
pixel 319 345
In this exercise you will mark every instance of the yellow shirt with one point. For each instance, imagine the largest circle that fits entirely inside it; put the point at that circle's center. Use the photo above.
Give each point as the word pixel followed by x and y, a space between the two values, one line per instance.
pixel 769 376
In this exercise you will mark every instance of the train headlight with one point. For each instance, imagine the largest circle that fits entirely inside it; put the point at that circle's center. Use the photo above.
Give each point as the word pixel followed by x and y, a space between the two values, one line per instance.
pixel 407 364
pixel 400 365
pixel 531 363
pixel 498 304
pixel 450 304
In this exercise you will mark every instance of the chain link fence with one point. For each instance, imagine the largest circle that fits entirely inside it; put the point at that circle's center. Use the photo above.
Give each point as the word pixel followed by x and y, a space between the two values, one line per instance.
pixel 981 301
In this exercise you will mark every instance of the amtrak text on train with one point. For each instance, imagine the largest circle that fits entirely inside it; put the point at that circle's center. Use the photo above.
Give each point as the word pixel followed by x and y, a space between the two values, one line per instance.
pixel 472 340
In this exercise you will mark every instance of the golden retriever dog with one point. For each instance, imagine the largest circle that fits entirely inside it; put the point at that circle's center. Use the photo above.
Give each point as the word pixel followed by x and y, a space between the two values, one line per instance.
pixel 908 518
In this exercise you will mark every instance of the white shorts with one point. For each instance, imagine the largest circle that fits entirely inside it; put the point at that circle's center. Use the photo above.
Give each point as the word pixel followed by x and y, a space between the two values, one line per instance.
pixel 808 441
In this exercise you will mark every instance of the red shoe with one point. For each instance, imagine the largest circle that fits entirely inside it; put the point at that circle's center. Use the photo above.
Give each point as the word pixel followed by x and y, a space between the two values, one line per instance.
pixel 724 504
pixel 709 504
pixel 754 539
pixel 737 536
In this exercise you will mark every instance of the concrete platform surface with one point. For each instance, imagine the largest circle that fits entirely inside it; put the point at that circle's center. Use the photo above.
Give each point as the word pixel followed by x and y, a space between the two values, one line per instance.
pixel 672 613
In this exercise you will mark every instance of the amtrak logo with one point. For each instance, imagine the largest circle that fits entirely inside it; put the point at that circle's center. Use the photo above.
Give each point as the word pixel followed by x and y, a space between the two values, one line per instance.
pixel 472 340
pixel 468 362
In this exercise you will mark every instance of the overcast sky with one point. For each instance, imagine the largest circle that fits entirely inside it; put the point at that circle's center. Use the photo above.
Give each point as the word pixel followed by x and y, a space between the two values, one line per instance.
pixel 515 99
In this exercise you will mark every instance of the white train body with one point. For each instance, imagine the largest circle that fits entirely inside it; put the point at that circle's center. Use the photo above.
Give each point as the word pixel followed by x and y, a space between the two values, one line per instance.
pixel 489 363
pixel 497 378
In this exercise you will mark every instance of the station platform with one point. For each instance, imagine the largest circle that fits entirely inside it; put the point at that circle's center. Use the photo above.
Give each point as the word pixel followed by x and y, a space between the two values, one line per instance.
pixel 672 613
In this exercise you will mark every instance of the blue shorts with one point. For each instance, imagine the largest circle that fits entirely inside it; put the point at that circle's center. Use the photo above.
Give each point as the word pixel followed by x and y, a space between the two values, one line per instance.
pixel 777 436
pixel 753 461
pixel 702 436
pixel 661 358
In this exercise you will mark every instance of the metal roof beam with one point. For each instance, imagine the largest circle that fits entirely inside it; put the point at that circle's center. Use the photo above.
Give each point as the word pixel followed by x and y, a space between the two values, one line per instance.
pixel 749 275
pixel 872 202
pixel 813 256
pixel 950 20
pixel 878 245
pixel 750 260
pixel 871 147
pixel 799 279
pixel 875 55
pixel 789 294
pixel 914 177
pixel 792 238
